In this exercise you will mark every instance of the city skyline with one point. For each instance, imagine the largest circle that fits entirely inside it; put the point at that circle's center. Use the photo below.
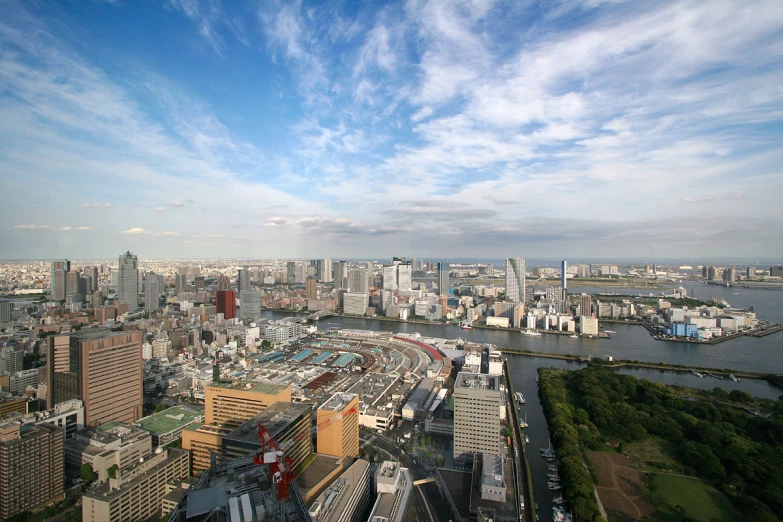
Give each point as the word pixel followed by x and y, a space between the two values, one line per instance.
pixel 292 130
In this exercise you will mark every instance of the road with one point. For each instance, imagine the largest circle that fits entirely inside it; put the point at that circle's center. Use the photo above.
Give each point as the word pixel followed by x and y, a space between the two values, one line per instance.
pixel 426 503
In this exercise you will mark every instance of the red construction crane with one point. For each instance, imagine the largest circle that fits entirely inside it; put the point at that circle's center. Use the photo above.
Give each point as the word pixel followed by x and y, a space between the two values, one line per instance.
pixel 281 468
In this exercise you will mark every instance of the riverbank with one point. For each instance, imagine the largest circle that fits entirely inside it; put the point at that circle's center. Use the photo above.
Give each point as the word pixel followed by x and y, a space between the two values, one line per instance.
pixel 619 363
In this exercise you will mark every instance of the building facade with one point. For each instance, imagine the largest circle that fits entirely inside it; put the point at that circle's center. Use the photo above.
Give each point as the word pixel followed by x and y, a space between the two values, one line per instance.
pixel 57 274
pixel 226 303
pixel 477 402
pixel 443 278
pixel 515 279
pixel 31 466
pixel 338 426
pixel 128 281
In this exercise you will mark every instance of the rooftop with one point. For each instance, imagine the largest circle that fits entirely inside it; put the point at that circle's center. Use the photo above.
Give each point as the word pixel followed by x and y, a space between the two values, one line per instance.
pixel 338 401
pixel 275 418
pixel 257 387
pixel 478 381
pixel 169 420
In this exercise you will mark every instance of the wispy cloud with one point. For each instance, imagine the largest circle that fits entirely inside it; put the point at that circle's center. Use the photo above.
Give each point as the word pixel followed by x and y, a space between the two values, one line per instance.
pixel 700 199
pixel 134 231
pixel 32 227
pixel 96 205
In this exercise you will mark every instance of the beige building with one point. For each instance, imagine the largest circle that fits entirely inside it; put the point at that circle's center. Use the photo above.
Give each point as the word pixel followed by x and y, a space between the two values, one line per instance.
pixel 228 405
pixel 338 426
pixel 103 369
pixel 113 445
pixel 588 326
pixel 136 492
pixel 477 402
pixel 31 466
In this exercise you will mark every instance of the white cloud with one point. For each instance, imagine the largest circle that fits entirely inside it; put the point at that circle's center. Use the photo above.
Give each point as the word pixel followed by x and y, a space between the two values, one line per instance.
pixel 32 227
pixel 134 230
pixel 84 229
pixel 96 205
pixel 159 210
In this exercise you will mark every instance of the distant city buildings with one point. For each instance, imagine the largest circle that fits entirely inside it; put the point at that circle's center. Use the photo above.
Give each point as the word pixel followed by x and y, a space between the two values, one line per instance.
pixel 58 272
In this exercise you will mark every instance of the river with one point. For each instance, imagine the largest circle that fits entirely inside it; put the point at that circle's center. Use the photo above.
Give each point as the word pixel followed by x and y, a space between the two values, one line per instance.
pixel 629 342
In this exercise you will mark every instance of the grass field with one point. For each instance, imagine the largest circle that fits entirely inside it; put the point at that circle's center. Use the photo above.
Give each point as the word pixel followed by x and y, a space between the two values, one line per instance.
pixel 652 454
pixel 701 502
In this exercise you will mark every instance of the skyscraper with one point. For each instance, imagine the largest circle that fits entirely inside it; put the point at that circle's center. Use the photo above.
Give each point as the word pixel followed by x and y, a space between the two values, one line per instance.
pixel 585 306
pixel 563 278
pixel 72 283
pixel 128 281
pixel 92 271
pixel 243 279
pixel 443 278
pixel 153 289
pixel 226 303
pixel 59 269
pixel 325 271
pixel 100 367
pixel 250 304
pixel 290 267
pixel 340 274
pixel 515 279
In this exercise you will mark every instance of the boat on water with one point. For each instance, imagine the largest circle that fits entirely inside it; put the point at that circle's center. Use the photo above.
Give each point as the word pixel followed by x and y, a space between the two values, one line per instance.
pixel 524 422
pixel 529 332
pixel 554 487
pixel 558 500
pixel 574 336
pixel 466 326
pixel 610 331
pixel 733 378
pixel 698 374
pixel 519 397
pixel 527 439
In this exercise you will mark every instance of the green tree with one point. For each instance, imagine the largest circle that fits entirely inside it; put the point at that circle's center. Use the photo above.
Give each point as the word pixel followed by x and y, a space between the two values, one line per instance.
pixel 86 473
pixel 112 471
pixel 160 407
pixel 740 396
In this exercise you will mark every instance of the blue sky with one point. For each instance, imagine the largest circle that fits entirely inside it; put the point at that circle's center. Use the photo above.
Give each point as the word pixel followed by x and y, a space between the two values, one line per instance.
pixel 423 128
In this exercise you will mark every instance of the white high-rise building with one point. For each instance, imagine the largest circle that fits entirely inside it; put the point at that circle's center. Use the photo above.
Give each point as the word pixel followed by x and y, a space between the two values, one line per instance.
pixel 515 279
pixel 300 273
pixel 398 276
pixel 340 275
pixel 128 280
pixel 243 279
pixel 390 277
pixel 325 275
pixel 357 281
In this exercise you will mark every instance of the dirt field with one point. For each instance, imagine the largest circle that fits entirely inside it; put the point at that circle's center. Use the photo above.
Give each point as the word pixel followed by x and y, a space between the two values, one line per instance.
pixel 621 487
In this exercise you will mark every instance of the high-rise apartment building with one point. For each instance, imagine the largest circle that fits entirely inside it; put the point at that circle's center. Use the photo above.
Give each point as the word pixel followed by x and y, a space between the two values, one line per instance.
pixel 515 279
pixel 311 287
pixel 338 426
pixel 290 268
pixel 92 271
pixel 243 279
pixel 58 271
pixel 154 287
pixel 72 283
pixel 357 281
pixel 443 278
pixel 128 281
pixel 31 466
pixel 585 305
pixel 325 271
pixel 226 303
pixel 100 367
pixel 5 312
pixel 477 403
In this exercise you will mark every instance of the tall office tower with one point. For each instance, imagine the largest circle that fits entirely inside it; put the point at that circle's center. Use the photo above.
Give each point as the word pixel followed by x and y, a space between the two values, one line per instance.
pixel 250 304
pixel 58 271
pixel 92 271
pixel 100 367
pixel 228 404
pixel 226 303
pixel 290 268
pixel 340 275
pixel 338 421
pixel 585 306
pixel 72 283
pixel 128 281
pixel 31 466
pixel 515 279
pixel 243 279
pixel 390 277
pixel 563 275
pixel 476 416
pixel 325 273
pixel 357 281
pixel 153 289
pixel 180 282
pixel 311 287
pixel 443 278
pixel 199 282
pixel 224 282
pixel 750 272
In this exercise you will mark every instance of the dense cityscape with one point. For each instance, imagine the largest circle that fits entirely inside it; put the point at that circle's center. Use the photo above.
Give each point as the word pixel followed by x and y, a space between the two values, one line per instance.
pixel 139 384
pixel 391 261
